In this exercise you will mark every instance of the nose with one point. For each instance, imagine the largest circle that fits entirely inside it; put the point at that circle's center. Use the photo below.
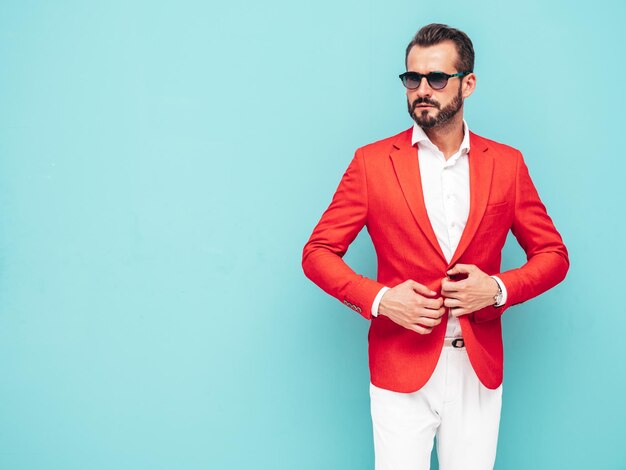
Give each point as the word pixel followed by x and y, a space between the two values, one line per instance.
pixel 423 89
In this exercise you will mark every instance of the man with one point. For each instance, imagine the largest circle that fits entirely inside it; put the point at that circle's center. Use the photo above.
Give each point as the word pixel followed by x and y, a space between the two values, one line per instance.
pixel 438 202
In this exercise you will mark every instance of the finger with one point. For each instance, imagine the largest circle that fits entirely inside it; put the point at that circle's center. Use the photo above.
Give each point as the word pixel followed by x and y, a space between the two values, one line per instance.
pixel 419 329
pixel 446 283
pixel 449 289
pixel 431 312
pixel 421 289
pixel 429 322
pixel 460 285
pixel 433 304
pixel 461 269
pixel 456 291
pixel 452 303
pixel 458 311
pixel 454 270
pixel 428 313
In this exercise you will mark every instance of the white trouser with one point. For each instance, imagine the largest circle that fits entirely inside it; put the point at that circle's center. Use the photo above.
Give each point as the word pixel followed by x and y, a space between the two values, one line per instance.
pixel 453 405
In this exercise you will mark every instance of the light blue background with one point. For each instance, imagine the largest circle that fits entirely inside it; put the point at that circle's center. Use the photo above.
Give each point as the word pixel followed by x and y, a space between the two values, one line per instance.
pixel 163 163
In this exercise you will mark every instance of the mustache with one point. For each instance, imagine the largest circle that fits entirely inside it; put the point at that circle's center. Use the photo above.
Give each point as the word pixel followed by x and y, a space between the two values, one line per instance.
pixel 419 101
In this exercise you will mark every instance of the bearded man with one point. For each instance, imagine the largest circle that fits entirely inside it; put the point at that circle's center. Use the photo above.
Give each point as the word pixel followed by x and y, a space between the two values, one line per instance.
pixel 438 202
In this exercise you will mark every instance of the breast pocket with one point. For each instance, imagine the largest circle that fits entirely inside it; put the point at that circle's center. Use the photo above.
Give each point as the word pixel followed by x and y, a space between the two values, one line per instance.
pixel 497 220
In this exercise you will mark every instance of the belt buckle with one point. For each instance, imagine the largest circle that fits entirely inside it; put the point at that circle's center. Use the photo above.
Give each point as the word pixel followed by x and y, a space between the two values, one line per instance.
pixel 458 343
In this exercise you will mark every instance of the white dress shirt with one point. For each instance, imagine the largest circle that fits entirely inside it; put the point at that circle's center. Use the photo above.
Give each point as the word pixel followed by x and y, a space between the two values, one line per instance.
pixel 446 188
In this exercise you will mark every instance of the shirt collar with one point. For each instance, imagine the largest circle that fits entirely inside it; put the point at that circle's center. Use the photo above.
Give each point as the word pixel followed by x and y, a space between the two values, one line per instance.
pixel 420 136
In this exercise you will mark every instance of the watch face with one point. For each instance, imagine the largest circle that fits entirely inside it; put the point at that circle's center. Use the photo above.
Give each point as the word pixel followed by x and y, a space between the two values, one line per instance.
pixel 498 297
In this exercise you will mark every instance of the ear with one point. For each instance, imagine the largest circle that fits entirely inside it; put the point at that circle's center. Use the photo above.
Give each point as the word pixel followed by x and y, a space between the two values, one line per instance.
pixel 469 85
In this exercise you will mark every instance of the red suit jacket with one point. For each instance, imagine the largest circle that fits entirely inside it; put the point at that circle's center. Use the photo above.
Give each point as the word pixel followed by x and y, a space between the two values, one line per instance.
pixel 381 189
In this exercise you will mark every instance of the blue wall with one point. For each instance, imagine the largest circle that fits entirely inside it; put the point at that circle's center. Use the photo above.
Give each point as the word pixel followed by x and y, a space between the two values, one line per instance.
pixel 162 165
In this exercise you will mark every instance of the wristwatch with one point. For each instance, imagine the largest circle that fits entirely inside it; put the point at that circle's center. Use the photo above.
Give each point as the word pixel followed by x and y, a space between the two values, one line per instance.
pixel 497 299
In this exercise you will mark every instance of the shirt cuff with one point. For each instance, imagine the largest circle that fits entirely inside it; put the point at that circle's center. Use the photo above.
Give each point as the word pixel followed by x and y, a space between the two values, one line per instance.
pixel 377 299
pixel 502 288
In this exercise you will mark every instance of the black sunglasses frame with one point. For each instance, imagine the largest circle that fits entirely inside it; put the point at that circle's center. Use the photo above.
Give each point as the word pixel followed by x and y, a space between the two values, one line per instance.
pixel 417 77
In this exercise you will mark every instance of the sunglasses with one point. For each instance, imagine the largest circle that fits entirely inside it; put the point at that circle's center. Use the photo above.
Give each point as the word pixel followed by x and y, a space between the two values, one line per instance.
pixel 436 80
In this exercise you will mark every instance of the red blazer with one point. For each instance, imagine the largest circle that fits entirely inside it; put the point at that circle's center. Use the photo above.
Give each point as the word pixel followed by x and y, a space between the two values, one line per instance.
pixel 381 189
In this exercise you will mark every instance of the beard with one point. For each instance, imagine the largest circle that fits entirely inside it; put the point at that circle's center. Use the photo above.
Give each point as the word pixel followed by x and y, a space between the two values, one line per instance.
pixel 425 121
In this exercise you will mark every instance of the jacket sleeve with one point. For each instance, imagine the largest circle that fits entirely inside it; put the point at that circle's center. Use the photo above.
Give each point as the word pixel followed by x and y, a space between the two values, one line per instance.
pixel 322 256
pixel 547 258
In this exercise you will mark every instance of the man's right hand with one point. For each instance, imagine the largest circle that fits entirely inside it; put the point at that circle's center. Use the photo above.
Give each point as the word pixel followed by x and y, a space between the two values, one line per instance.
pixel 413 306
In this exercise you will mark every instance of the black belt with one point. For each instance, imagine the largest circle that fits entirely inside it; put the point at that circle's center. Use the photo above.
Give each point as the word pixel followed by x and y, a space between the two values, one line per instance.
pixel 454 342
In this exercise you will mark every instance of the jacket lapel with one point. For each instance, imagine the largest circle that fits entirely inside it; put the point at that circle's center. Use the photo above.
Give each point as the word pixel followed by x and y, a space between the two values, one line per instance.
pixel 406 167
pixel 481 171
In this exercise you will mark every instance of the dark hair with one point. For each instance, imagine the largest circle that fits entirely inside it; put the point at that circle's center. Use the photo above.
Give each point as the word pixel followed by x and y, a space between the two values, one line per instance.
pixel 436 33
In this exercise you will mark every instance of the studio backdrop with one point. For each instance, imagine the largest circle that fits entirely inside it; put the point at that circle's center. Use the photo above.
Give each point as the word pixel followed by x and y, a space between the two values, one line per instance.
pixel 162 165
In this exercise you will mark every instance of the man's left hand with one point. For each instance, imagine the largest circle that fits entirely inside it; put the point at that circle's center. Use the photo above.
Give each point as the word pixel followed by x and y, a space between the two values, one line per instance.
pixel 474 292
